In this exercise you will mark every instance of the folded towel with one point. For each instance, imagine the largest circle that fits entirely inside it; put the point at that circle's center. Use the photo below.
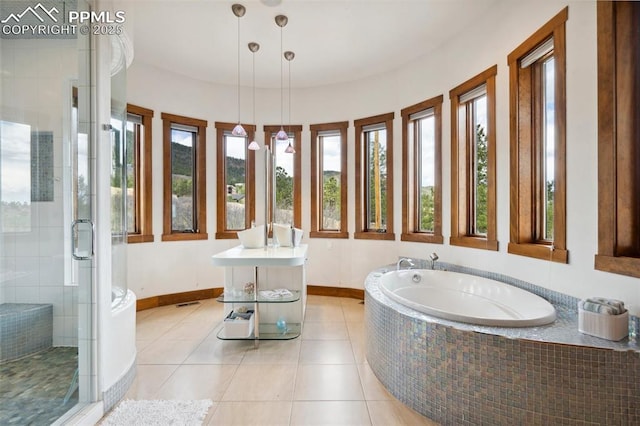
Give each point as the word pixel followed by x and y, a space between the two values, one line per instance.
pixel 601 305
pixel 277 293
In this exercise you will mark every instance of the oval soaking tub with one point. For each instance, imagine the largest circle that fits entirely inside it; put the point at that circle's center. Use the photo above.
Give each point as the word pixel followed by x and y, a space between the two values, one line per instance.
pixel 466 298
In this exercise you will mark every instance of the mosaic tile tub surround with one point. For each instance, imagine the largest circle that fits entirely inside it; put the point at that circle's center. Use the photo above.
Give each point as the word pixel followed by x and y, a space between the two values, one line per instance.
pixel 458 373
pixel 25 328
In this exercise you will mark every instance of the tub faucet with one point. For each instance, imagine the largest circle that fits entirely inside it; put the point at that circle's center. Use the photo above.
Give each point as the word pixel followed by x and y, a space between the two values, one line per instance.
pixel 403 260
pixel 433 257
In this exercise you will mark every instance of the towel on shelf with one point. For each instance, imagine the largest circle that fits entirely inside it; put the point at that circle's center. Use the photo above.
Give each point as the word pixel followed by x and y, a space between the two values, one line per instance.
pixel 276 293
pixel 601 305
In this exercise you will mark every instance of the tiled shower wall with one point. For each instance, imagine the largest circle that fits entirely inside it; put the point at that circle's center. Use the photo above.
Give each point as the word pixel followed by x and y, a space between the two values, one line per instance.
pixel 36 83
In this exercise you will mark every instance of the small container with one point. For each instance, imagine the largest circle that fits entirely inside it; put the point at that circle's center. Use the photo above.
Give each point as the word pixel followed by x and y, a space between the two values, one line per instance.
pixel 610 327
pixel 238 325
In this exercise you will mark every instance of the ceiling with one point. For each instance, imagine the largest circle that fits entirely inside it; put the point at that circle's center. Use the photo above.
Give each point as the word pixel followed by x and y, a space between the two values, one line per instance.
pixel 334 41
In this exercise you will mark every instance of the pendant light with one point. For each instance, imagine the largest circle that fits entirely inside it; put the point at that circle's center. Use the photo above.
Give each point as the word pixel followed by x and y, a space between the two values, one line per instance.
pixel 289 55
pixel 281 21
pixel 239 11
pixel 254 47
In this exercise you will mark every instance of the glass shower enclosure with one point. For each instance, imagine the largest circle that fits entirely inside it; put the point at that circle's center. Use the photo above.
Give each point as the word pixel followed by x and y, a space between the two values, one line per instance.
pixel 47 211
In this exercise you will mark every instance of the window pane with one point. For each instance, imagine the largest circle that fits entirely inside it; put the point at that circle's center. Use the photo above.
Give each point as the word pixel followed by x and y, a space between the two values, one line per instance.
pixel 425 173
pixel 331 155
pixel 15 177
pixel 117 178
pixel 549 146
pixel 480 167
pixel 182 180
pixel 284 182
pixel 132 170
pixel 235 178
pixel 376 180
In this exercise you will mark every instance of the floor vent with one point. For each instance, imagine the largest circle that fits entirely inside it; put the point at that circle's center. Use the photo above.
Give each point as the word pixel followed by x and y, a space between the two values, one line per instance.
pixel 180 305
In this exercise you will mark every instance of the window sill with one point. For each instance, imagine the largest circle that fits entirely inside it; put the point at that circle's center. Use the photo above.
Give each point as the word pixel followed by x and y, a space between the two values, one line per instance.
pixel 385 236
pixel 138 238
pixel 227 235
pixel 422 238
pixel 629 266
pixel 328 234
pixel 539 251
pixel 186 236
pixel 474 242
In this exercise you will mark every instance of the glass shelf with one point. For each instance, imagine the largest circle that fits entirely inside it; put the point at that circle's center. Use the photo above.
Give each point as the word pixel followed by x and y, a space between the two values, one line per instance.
pixel 268 332
pixel 260 299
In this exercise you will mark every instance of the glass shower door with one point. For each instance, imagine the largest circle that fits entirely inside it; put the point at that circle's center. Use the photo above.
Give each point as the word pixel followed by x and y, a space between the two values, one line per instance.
pixel 46 230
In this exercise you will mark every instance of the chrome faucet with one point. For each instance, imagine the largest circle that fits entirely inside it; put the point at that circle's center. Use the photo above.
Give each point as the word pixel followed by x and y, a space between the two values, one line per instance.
pixel 402 260
pixel 433 257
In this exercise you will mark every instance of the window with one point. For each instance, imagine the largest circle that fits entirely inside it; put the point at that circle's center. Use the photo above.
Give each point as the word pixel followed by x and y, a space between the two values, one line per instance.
pixel 374 177
pixel 618 138
pixel 421 172
pixel 138 158
pixel 329 180
pixel 288 204
pixel 473 162
pixel 537 115
pixel 185 204
pixel 236 180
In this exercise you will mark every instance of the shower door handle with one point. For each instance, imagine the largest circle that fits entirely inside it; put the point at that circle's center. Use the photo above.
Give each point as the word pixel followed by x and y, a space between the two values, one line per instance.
pixel 82 230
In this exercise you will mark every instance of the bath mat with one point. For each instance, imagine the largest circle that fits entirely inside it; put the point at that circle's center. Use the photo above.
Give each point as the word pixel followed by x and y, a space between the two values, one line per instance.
pixel 158 412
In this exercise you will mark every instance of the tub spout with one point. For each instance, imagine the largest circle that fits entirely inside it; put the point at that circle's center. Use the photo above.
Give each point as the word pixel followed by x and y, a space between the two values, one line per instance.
pixel 404 260
pixel 433 257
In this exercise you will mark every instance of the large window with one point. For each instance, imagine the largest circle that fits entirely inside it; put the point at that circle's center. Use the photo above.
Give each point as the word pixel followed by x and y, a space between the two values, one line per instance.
pixel 374 177
pixel 421 172
pixel 329 180
pixel 235 180
pixel 473 162
pixel 288 202
pixel 139 204
pixel 618 138
pixel 185 204
pixel 537 120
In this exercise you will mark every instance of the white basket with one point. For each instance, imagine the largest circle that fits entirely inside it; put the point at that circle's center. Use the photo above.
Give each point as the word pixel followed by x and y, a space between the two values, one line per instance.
pixel 238 328
pixel 610 327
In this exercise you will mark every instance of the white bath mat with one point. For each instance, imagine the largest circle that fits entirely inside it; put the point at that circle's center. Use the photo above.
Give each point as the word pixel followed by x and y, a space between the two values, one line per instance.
pixel 159 412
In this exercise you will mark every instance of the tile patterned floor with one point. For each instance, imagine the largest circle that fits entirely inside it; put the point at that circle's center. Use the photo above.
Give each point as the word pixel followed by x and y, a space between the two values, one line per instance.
pixel 320 378
pixel 32 389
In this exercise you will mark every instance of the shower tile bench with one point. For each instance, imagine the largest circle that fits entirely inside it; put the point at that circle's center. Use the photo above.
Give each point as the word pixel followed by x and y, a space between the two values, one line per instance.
pixel 25 328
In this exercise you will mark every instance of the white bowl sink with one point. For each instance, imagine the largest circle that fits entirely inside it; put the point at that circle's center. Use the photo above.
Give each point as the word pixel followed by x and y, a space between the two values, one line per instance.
pixel 252 237
pixel 286 236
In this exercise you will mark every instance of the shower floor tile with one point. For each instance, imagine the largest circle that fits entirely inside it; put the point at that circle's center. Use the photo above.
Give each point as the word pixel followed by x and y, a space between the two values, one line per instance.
pixel 32 389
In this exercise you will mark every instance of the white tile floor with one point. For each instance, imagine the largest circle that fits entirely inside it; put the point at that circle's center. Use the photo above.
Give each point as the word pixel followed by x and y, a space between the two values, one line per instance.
pixel 320 378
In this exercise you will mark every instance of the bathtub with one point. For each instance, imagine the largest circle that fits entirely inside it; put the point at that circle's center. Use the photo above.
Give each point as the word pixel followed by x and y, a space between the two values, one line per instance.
pixel 466 298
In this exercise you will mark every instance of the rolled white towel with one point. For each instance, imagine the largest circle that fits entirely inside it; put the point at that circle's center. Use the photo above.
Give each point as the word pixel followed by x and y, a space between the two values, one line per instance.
pixel 602 305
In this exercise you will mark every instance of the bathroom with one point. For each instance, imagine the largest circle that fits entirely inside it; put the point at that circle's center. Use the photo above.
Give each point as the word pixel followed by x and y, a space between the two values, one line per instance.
pixel 159 267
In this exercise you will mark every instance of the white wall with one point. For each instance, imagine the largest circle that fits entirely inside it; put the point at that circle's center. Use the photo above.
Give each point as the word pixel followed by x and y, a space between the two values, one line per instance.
pixel 169 267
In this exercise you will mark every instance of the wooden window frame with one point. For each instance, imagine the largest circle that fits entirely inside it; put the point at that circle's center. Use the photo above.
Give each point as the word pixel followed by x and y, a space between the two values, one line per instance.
pixel 409 163
pixel 143 170
pixel 316 171
pixel 618 139
pixel 361 231
pixel 525 147
pixel 269 133
pixel 459 156
pixel 200 173
pixel 221 183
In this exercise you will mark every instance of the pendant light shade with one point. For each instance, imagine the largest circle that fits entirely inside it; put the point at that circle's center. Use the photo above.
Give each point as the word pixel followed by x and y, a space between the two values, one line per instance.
pixel 281 21
pixel 254 47
pixel 238 10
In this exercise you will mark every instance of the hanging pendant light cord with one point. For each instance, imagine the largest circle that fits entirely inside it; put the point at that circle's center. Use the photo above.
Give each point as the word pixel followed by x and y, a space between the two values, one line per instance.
pixel 238 70
pixel 289 95
pixel 254 87
pixel 281 82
